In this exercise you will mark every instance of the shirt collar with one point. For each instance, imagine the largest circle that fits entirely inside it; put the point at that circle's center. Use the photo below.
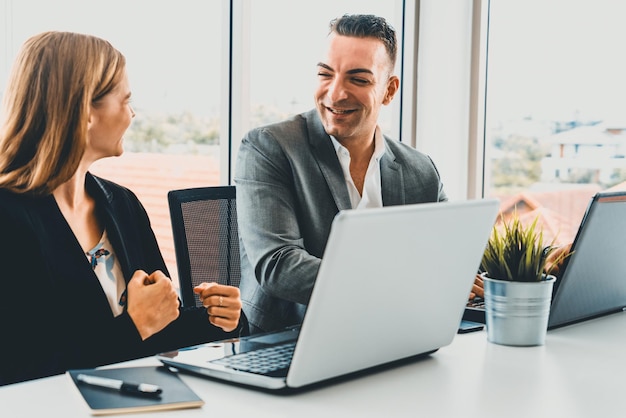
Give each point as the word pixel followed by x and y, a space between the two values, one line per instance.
pixel 379 144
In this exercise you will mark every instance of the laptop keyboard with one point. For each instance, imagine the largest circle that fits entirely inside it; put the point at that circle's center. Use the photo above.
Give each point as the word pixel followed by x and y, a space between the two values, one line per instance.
pixel 261 361
pixel 475 310
pixel 477 302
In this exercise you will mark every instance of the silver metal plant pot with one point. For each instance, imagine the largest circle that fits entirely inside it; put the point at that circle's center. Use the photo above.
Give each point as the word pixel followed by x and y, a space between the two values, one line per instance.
pixel 516 313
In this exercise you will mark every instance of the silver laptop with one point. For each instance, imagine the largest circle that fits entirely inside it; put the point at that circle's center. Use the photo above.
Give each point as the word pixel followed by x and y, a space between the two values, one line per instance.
pixel 593 282
pixel 392 285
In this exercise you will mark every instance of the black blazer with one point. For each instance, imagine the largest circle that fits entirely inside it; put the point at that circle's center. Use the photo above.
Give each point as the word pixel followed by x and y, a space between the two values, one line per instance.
pixel 54 315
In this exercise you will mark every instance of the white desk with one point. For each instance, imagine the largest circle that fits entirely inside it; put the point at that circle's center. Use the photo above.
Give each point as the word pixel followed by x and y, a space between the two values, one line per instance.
pixel 578 373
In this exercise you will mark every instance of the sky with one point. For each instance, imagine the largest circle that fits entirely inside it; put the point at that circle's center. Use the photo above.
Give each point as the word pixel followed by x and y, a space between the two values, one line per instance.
pixel 163 70
pixel 557 58
pixel 174 48
pixel 549 59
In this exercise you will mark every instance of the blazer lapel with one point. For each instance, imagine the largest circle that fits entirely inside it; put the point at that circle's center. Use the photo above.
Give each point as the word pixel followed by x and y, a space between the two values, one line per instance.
pixel 105 202
pixel 392 181
pixel 66 259
pixel 326 157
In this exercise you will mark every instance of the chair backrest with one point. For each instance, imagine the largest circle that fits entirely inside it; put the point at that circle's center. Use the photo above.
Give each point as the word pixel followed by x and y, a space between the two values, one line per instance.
pixel 206 238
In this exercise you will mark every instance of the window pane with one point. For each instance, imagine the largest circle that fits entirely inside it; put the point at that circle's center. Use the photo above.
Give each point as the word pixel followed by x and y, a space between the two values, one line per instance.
pixel 285 52
pixel 555 125
pixel 173 51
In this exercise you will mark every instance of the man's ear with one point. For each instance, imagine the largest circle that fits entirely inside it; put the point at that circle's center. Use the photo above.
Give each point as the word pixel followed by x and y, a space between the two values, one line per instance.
pixel 393 84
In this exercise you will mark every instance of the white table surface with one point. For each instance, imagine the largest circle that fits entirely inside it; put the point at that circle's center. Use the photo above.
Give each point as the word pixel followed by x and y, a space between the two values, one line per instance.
pixel 579 372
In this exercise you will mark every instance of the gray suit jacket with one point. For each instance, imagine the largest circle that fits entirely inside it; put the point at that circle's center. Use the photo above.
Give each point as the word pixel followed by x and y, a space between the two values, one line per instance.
pixel 290 186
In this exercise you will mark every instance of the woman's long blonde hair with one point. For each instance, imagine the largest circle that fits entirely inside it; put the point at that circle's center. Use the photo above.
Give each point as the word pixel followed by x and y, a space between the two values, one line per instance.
pixel 55 79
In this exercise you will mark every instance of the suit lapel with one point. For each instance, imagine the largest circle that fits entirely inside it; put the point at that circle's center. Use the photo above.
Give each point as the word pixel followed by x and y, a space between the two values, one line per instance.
pixel 326 158
pixel 66 259
pixel 391 178
pixel 105 208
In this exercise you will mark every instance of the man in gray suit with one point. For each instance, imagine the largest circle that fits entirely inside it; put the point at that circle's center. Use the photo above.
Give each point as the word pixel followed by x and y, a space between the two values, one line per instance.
pixel 293 177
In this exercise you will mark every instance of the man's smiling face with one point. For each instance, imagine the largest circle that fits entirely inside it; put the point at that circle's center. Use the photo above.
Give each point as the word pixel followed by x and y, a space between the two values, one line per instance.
pixel 354 82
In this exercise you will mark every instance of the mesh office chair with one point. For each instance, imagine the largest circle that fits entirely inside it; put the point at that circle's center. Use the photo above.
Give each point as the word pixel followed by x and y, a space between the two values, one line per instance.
pixel 206 239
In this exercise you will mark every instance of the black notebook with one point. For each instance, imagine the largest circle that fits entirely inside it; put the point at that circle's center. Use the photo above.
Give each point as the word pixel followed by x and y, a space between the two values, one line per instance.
pixel 174 393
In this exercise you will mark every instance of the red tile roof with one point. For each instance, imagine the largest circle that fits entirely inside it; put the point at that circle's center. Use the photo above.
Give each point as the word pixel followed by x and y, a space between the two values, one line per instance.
pixel 560 211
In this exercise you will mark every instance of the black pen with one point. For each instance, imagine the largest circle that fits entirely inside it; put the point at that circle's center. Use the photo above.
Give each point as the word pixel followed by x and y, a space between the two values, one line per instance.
pixel 143 389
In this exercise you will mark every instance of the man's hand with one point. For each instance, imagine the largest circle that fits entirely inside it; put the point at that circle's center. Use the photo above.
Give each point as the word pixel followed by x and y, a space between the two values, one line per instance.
pixel 477 288
pixel 556 259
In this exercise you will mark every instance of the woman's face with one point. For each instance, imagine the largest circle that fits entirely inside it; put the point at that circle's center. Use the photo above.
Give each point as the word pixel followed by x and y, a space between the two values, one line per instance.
pixel 108 120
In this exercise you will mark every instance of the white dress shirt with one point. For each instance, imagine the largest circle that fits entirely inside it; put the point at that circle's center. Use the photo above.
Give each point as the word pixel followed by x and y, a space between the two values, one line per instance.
pixel 372 192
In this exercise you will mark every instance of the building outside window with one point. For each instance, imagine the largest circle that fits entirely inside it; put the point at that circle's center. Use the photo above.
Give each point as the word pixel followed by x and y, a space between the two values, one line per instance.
pixel 555 111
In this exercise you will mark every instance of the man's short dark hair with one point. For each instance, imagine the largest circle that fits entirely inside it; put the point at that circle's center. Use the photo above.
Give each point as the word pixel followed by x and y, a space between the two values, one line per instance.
pixel 368 26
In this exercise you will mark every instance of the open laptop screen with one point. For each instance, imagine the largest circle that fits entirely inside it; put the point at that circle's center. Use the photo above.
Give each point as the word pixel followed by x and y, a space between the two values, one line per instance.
pixel 594 276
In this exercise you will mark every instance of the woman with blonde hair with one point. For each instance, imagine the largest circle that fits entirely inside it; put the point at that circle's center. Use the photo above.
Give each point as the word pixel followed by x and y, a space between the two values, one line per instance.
pixel 82 280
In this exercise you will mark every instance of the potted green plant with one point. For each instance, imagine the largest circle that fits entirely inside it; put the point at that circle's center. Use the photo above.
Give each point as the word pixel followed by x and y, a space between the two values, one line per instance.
pixel 517 282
